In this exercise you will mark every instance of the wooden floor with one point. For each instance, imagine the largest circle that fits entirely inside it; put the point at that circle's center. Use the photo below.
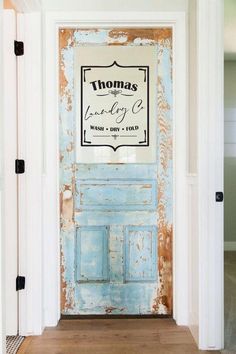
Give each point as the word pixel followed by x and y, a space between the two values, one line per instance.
pixel 112 336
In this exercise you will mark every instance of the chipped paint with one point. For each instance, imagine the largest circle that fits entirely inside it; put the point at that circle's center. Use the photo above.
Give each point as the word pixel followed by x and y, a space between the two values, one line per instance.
pixel 161 292
pixel 112 309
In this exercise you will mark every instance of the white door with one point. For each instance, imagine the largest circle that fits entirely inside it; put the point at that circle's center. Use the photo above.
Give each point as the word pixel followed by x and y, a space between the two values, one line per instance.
pixel 10 178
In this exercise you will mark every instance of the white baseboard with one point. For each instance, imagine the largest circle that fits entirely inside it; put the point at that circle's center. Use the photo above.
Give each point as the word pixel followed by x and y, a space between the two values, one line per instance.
pixel 230 246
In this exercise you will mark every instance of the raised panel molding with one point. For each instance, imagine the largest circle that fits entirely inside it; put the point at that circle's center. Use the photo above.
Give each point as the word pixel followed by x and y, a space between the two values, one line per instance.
pixel 91 255
pixel 98 217
pixel 116 171
pixel 140 253
pixel 116 195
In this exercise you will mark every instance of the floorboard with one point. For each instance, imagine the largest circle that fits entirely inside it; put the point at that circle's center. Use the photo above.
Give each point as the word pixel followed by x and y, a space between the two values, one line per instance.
pixel 113 336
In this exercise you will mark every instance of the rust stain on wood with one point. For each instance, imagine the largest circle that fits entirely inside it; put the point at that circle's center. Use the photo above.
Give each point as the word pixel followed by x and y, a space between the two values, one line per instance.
pixel 152 34
pixel 63 284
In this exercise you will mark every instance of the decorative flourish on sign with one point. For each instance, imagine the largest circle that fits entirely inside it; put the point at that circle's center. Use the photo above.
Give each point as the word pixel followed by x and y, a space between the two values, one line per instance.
pixel 115 99
pixel 86 141
pixel 145 138
pixel 115 136
pixel 145 73
pixel 85 74
pixel 114 93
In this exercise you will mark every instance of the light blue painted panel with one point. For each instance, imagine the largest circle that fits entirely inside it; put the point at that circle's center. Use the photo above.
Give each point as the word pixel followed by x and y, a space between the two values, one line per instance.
pixel 116 195
pixel 140 253
pixel 116 171
pixel 116 298
pixel 95 217
pixel 91 259
pixel 116 253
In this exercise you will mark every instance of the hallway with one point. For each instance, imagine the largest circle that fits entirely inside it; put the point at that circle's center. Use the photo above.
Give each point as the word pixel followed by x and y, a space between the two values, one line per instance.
pixel 113 336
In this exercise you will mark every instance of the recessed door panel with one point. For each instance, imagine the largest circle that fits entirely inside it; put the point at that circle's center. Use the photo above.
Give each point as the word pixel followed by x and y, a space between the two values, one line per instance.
pixel 92 254
pixel 140 254
pixel 116 195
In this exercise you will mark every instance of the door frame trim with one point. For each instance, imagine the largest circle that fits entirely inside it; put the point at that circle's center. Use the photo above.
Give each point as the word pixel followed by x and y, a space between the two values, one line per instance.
pixel 29 75
pixel 10 210
pixel 210 112
pixel 51 217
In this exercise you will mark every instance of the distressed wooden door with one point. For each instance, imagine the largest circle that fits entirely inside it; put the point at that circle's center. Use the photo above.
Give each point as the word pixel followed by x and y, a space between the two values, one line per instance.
pixel 116 219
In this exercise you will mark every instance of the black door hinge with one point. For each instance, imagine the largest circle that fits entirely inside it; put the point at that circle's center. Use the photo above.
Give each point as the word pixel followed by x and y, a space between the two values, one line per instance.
pixel 20 283
pixel 18 48
pixel 19 166
pixel 219 196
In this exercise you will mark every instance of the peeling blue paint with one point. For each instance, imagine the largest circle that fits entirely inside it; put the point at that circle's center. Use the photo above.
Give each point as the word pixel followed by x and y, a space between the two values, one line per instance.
pixel 113 284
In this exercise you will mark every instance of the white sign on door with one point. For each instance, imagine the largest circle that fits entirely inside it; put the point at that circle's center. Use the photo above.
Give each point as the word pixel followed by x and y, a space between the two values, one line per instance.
pixel 116 103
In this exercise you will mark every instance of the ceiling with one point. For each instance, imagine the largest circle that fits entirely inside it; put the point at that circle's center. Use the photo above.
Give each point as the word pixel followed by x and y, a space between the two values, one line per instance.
pixel 115 5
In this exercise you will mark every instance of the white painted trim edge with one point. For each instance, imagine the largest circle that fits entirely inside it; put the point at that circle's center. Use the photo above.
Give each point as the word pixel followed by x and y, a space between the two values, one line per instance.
pixel 27 5
pixel 53 21
pixel 30 183
pixel 10 178
pixel 193 256
pixel 180 255
pixel 230 246
pixel 210 51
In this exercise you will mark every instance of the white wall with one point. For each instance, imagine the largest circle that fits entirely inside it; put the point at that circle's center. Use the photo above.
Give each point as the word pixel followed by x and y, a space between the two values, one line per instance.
pixel 192 167
pixel 230 29
pixel 115 5
pixel 230 84
pixel 230 153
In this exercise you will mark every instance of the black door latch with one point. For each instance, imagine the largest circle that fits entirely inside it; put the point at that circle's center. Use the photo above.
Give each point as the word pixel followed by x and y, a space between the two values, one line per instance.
pixel 219 196
pixel 20 283
pixel 19 166
pixel 18 48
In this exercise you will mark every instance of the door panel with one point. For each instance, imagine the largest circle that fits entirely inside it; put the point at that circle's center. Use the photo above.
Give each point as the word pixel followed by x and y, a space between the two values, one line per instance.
pixel 140 253
pixel 116 219
pixel 116 195
pixel 92 254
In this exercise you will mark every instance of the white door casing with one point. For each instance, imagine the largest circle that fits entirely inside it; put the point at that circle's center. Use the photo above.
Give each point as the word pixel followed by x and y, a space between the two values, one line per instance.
pixel 29 69
pixel 53 22
pixel 210 51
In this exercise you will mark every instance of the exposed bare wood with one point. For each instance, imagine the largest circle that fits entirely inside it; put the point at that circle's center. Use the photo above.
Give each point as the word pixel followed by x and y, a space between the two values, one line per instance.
pixel 7 4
